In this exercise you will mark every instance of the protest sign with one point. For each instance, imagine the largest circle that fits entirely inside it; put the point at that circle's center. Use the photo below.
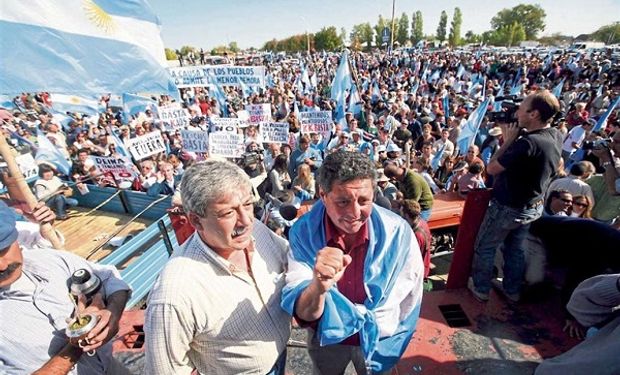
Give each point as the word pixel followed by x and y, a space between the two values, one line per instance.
pixel 173 118
pixel 224 124
pixel 226 144
pixel 120 168
pixel 316 122
pixel 144 146
pixel 259 113
pixel 275 132
pixel 27 165
pixel 244 118
pixel 195 141
pixel 203 75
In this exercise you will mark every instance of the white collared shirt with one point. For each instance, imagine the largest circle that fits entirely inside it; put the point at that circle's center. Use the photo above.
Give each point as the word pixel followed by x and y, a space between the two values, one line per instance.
pixel 203 313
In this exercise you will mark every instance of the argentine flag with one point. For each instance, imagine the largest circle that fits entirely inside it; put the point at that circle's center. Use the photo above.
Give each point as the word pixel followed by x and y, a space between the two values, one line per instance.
pixel 47 152
pixel 73 103
pixel 470 129
pixel 82 47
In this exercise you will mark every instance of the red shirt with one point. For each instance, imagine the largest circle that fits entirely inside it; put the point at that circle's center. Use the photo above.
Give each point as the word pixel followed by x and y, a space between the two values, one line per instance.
pixel 351 285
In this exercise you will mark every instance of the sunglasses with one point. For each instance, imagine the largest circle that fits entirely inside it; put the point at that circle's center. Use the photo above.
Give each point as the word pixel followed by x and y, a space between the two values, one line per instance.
pixel 580 204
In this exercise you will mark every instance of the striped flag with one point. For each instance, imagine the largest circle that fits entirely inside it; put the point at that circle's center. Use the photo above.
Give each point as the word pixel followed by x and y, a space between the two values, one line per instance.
pixel 602 121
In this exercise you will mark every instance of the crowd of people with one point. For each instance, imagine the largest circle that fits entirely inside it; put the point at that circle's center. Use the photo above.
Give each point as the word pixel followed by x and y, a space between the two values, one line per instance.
pixel 371 180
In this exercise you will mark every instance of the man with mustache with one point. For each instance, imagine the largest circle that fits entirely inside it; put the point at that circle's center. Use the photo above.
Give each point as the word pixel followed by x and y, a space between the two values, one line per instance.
pixel 216 305
pixel 35 306
pixel 355 273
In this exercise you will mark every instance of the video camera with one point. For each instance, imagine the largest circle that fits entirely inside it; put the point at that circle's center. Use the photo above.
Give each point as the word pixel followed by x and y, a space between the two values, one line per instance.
pixel 251 157
pixel 509 110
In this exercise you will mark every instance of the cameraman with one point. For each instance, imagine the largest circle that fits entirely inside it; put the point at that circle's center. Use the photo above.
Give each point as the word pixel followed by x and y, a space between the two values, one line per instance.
pixel 609 156
pixel 522 167
pixel 253 165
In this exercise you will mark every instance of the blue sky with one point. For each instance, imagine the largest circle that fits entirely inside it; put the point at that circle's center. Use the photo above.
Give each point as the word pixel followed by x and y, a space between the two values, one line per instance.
pixel 253 22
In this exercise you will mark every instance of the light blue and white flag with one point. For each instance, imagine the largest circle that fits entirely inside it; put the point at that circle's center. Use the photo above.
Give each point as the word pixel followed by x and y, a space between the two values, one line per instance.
pixel 6 102
pixel 82 47
pixel 218 93
pixel 557 90
pixel 47 152
pixel 355 101
pixel 61 118
pixel 74 103
pixel 120 146
pixel 437 158
pixel 460 71
pixel 446 106
pixel 134 104
pixel 470 129
pixel 516 90
pixel 314 80
pixel 599 91
pixel 414 89
pixel 602 122
pixel 434 76
pixel 342 82
pixel 375 93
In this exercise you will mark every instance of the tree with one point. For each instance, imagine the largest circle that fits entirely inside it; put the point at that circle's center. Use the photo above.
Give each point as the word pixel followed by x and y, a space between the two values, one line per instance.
pixel 343 35
pixel 441 29
pixel 506 36
pixel 366 34
pixel 403 29
pixel 381 23
pixel 360 34
pixel 327 39
pixel 186 49
pixel 170 54
pixel 471 37
pixel 417 27
pixel 555 39
pixel 531 18
pixel 609 34
pixel 455 28
pixel 233 47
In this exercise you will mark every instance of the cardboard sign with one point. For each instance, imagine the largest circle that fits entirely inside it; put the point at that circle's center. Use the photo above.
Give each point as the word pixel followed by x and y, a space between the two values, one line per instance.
pixel 120 168
pixel 149 144
pixel 259 113
pixel 195 141
pixel 226 144
pixel 204 75
pixel 316 122
pixel 173 118
pixel 224 124
pixel 275 132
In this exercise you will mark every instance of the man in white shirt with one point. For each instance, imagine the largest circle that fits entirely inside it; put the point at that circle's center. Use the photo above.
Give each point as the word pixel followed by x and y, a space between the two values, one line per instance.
pixel 216 305
pixel 575 138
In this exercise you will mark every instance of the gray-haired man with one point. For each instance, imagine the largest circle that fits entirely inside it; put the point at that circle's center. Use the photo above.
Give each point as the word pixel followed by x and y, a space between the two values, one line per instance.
pixel 215 306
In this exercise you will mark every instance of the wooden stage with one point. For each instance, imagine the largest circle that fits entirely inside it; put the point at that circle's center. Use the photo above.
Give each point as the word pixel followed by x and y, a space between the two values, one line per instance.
pixel 85 233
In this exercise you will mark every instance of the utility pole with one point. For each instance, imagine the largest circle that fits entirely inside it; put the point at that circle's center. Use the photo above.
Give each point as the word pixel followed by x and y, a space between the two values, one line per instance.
pixel 392 39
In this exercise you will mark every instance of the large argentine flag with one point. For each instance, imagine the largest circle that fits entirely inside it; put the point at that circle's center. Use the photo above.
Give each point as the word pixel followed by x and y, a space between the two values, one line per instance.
pixel 82 47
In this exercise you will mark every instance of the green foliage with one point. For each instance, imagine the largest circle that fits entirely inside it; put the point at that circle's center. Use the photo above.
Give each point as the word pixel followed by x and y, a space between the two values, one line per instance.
pixel 328 39
pixel 381 23
pixel 362 34
pixel 403 29
pixel 609 34
pixel 291 44
pixel 454 38
pixel 186 49
pixel 233 47
pixel 510 35
pixel 170 54
pixel 441 29
pixel 471 37
pixel 417 27
pixel 531 17
pixel 555 39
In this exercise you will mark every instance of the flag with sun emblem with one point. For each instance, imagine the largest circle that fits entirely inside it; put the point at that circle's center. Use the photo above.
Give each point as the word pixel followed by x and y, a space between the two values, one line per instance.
pixel 82 47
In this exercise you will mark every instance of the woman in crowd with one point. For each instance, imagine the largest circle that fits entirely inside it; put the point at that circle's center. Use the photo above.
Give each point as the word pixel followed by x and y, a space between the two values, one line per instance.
pixel 55 193
pixel 443 173
pixel 278 176
pixel 582 207
pixel 303 185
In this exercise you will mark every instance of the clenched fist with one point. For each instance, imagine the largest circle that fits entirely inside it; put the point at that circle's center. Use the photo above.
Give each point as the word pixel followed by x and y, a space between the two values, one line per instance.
pixel 329 267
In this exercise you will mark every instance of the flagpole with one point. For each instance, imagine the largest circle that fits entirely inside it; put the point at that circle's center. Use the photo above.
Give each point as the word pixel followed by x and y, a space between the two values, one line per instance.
pixel 392 38
pixel 47 230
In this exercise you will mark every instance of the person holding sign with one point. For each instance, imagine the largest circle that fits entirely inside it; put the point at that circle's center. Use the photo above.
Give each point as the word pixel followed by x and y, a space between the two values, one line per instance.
pixel 304 154
pixel 355 273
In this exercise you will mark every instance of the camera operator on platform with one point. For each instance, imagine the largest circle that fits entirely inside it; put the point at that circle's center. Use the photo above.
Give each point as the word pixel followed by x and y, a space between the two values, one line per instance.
pixel 522 168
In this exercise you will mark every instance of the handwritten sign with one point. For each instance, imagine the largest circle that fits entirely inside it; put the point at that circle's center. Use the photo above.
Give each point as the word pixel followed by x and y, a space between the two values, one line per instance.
pixel 195 141
pixel 226 144
pixel 316 122
pixel 275 132
pixel 146 145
